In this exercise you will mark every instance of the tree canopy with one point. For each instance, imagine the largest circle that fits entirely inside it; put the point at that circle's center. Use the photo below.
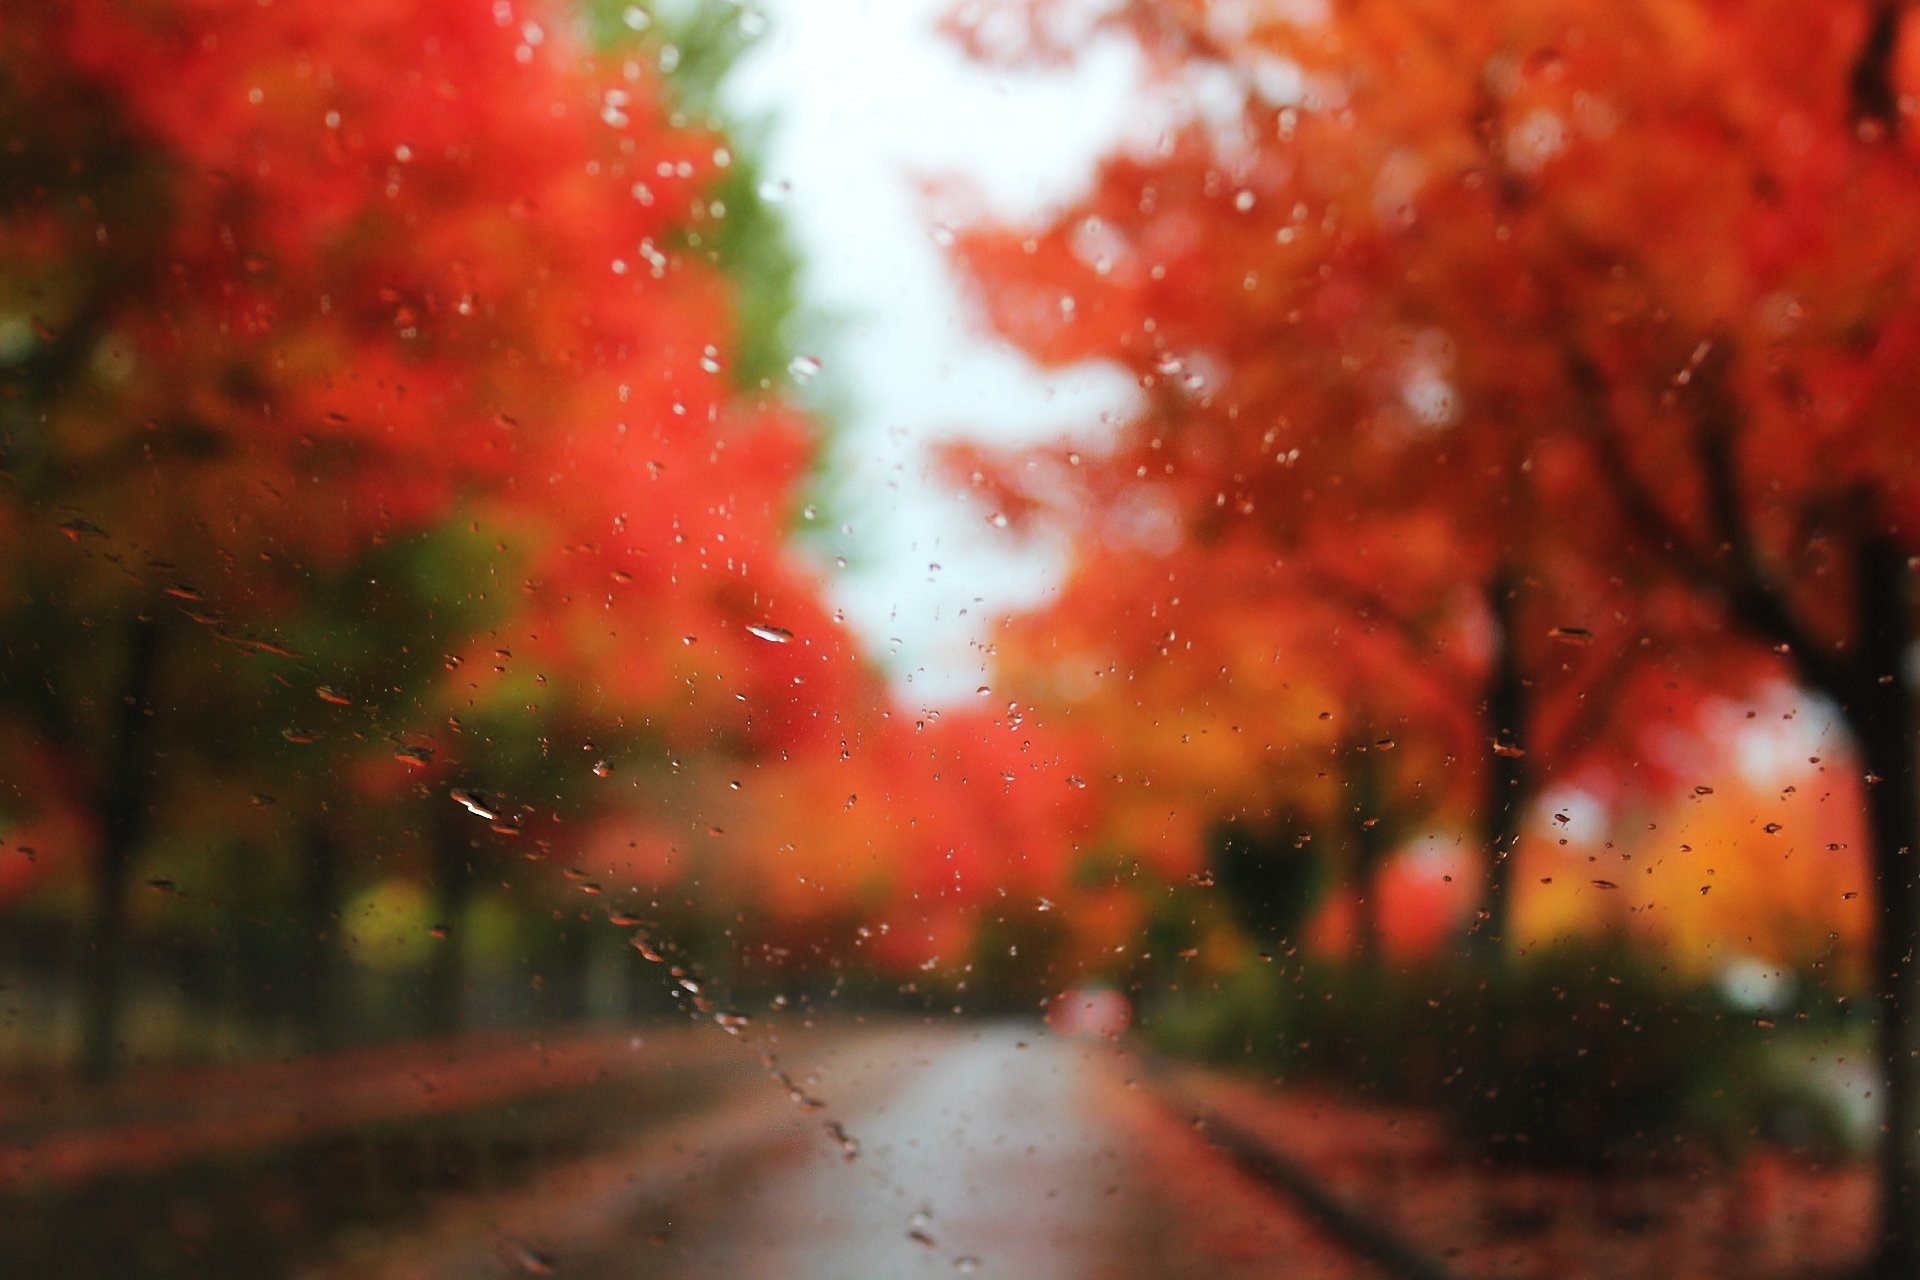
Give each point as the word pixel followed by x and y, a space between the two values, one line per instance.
pixel 1554 356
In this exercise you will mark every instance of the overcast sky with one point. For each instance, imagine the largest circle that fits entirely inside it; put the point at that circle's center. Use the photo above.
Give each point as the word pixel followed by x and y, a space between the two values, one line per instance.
pixel 868 102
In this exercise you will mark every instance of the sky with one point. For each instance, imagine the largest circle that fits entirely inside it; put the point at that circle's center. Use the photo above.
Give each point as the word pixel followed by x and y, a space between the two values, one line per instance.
pixel 868 104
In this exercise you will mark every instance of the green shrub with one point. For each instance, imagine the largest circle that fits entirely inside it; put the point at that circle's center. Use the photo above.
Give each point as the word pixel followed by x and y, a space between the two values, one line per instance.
pixel 1584 1054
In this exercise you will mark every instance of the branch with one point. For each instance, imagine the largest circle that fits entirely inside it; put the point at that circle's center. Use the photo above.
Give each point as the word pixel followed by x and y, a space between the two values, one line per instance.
pixel 1754 601
pixel 1594 710
pixel 1872 102
pixel 1759 602
pixel 1637 500
pixel 1368 603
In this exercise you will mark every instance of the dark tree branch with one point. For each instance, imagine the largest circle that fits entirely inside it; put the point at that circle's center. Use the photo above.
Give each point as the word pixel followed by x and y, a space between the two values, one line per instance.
pixel 1594 714
pixel 1754 602
pixel 1872 101
pixel 1759 602
pixel 1371 605
pixel 1636 499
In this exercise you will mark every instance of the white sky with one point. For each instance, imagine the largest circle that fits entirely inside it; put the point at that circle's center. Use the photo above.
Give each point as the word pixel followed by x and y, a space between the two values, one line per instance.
pixel 867 101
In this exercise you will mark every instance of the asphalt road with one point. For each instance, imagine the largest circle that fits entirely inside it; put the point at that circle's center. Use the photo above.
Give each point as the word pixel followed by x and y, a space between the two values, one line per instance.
pixel 985 1152
pixel 993 1150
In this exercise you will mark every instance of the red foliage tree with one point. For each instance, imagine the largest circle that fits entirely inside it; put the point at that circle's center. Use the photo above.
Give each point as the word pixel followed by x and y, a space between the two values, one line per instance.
pixel 1599 316
pixel 372 347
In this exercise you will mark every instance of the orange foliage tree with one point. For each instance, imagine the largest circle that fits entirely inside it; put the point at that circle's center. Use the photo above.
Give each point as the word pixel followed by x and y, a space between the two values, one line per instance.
pixel 1602 317
pixel 366 406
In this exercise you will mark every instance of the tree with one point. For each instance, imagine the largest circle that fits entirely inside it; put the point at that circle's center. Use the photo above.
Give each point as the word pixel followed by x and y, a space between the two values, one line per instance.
pixel 367 402
pixel 1624 296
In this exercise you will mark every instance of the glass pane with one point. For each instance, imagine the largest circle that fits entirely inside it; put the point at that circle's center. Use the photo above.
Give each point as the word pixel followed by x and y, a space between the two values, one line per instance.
pixel 1022 637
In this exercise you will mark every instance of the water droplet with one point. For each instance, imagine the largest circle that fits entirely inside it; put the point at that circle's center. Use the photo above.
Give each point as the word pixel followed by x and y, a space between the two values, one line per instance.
pixel 76 528
pixel 848 1143
pixel 439 931
pixel 803 369
pixel 473 803
pixel 528 1258
pixel 601 768
pixel 772 635
pixel 735 1023
pixel 966 1264
pixel 1077 782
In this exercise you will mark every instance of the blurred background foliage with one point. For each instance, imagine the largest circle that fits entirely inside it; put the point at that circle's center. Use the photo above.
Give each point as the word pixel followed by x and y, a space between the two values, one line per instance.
pixel 404 629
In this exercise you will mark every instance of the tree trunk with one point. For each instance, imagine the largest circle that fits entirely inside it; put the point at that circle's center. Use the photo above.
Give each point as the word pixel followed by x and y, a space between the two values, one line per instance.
pixel 443 998
pixel 1505 789
pixel 1880 713
pixel 572 961
pixel 101 994
pixel 1367 836
pixel 316 1006
pixel 124 804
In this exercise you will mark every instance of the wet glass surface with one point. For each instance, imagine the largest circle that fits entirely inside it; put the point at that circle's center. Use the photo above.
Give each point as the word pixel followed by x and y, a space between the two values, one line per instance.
pixel 1020 637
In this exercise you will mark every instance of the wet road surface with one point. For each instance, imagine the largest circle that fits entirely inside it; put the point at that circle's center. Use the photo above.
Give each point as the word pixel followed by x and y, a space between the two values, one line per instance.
pixel 975 1155
pixel 995 1150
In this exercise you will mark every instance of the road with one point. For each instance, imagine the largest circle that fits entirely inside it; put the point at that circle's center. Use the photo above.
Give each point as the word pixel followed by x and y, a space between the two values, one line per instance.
pixel 993 1150
pixel 976 1153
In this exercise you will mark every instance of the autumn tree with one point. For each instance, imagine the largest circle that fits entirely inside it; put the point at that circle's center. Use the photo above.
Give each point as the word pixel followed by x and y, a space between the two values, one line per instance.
pixel 1621 297
pixel 372 436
